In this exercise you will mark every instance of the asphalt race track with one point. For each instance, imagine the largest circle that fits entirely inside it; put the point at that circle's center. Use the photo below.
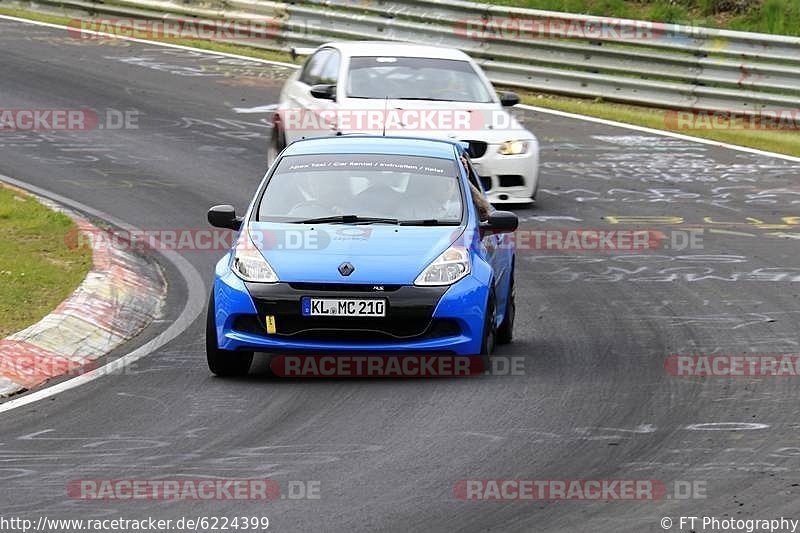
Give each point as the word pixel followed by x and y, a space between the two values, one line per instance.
pixel 593 328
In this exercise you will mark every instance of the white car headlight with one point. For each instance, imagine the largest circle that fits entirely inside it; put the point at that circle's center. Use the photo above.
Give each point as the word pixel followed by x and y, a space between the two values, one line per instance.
pixel 249 264
pixel 449 267
pixel 513 148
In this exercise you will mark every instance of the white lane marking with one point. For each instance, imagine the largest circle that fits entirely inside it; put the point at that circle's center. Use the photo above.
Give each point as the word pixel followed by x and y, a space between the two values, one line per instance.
pixel 785 452
pixel 195 303
pixel 727 426
pixel 259 109
pixel 547 218
pixel 565 114
pixel 641 428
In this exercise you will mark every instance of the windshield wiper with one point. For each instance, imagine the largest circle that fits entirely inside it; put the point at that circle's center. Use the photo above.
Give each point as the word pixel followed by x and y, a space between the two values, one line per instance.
pixel 349 219
pixel 429 222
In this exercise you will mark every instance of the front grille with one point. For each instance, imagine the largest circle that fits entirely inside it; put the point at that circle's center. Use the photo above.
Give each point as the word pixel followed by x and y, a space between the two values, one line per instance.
pixel 510 180
pixel 409 312
pixel 333 328
pixel 249 324
pixel 348 329
pixel 486 181
pixel 443 327
pixel 477 149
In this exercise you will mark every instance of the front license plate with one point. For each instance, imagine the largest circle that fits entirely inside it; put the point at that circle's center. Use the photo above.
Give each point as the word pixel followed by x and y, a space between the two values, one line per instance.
pixel 343 307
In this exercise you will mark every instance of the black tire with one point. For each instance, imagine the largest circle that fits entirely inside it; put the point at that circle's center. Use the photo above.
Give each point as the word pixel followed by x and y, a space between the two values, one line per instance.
pixel 505 333
pixel 277 142
pixel 225 363
pixel 489 332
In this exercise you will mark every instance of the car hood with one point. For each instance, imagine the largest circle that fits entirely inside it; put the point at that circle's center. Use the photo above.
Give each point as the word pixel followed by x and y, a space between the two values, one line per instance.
pixel 382 254
pixel 487 122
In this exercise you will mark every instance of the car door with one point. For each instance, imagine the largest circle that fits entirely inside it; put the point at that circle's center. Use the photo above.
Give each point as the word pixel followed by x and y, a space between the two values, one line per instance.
pixel 305 115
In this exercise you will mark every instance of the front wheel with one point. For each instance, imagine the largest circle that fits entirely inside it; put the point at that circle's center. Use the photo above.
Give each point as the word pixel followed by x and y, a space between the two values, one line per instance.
pixel 226 363
pixel 489 331
pixel 505 333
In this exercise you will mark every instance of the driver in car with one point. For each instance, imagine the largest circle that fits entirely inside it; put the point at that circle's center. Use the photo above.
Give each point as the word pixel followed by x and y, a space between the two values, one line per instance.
pixel 319 194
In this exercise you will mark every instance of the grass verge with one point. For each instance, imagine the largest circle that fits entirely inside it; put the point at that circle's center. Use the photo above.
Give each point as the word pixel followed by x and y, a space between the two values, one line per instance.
pixel 38 269
pixel 785 142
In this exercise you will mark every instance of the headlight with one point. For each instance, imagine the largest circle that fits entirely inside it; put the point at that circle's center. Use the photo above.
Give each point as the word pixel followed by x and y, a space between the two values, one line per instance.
pixel 249 264
pixel 448 268
pixel 513 148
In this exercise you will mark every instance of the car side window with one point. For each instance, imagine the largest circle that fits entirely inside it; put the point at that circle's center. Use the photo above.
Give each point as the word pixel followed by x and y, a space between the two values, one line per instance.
pixel 312 71
pixel 330 70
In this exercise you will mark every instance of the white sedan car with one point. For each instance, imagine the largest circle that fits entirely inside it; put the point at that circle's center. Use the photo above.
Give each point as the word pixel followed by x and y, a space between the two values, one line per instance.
pixel 403 89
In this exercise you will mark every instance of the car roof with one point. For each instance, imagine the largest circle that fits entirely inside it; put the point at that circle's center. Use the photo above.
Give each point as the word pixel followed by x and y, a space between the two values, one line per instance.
pixel 396 49
pixel 374 144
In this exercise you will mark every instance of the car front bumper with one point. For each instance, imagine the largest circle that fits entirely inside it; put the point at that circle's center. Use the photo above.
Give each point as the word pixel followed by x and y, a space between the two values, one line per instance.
pixel 446 320
pixel 509 179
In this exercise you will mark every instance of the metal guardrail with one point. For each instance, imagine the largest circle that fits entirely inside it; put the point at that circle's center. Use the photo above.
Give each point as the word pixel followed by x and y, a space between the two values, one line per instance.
pixel 666 65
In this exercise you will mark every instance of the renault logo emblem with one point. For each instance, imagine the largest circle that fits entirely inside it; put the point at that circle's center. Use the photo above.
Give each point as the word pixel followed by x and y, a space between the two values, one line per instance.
pixel 345 269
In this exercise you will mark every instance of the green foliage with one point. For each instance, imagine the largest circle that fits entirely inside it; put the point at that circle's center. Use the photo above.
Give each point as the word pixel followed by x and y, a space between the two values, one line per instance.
pixel 40 265
pixel 766 16
pixel 664 11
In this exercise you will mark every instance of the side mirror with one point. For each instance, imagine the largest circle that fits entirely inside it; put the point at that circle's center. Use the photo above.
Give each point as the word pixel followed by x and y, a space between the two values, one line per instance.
pixel 224 216
pixel 324 92
pixel 501 222
pixel 509 99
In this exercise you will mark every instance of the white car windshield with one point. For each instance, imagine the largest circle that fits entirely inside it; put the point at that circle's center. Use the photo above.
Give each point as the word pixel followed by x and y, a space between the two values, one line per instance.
pixel 357 188
pixel 415 78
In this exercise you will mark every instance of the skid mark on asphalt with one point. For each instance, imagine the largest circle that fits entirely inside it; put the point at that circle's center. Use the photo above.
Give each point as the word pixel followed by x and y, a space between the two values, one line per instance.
pixel 646 430
pixel 723 321
pixel 651 269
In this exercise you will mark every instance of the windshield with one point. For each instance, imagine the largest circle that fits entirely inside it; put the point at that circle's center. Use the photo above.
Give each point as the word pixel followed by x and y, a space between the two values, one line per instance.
pixel 415 78
pixel 386 188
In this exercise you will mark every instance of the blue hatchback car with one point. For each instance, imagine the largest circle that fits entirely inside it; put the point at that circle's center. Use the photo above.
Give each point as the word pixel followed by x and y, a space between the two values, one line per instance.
pixel 357 244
